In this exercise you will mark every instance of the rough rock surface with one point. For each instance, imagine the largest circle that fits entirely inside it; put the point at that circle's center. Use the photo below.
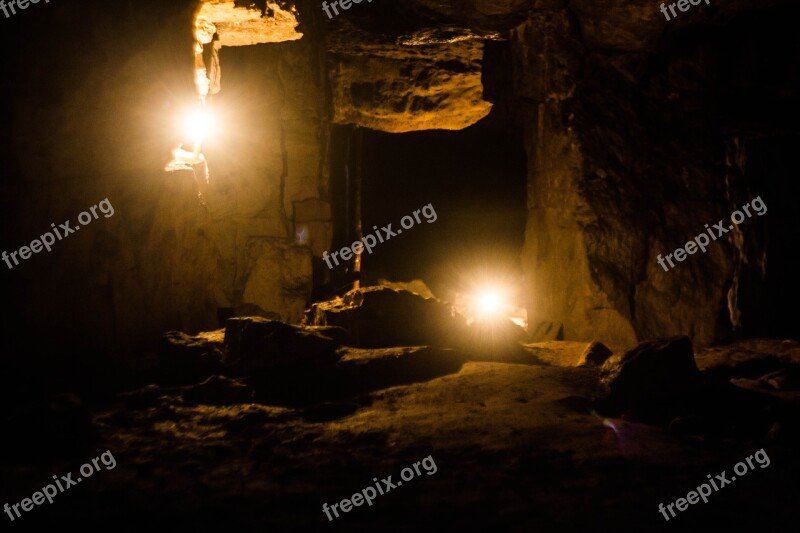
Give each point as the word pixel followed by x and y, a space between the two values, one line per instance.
pixel 219 390
pixel 518 441
pixel 356 373
pixel 594 82
pixel 186 358
pixel 600 166
pixel 407 83
pixel 597 83
pixel 255 344
pixel 492 339
pixel 244 24
pixel 279 279
pixel 595 354
pixel 417 286
pixel 162 262
pixel 656 375
pixel 382 317
pixel 375 369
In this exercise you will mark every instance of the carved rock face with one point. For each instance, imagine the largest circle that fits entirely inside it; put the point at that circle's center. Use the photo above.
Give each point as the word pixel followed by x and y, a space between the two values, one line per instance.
pixel 419 81
pixel 245 23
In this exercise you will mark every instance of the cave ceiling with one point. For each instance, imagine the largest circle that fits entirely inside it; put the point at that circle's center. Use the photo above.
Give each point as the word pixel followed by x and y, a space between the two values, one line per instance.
pixel 410 65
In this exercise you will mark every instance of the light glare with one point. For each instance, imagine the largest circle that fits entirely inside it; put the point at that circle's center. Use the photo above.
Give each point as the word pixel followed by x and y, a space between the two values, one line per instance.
pixel 488 302
pixel 198 125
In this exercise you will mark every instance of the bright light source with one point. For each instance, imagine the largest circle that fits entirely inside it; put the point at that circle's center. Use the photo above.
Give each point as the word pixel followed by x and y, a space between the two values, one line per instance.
pixel 198 125
pixel 488 302
pixel 488 295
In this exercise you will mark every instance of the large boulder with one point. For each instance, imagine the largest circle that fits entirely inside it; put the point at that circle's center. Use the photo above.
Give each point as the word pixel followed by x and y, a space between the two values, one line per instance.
pixel 655 378
pixel 377 317
pixel 258 344
pixel 187 358
pixel 366 370
pixel 595 354
pixel 358 372
pixel 493 339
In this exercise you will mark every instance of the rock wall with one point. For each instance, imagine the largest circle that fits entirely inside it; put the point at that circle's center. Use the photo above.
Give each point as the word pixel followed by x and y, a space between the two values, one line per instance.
pixel 418 81
pixel 597 84
pixel 93 118
pixel 629 149
pixel 558 271
pixel 268 203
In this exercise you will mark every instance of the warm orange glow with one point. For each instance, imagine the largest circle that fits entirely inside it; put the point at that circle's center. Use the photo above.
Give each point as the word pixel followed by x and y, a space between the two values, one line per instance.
pixel 198 124
pixel 488 302
pixel 491 297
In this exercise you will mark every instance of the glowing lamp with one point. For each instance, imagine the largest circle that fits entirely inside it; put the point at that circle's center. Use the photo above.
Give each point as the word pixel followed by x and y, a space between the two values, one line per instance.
pixel 488 302
pixel 198 125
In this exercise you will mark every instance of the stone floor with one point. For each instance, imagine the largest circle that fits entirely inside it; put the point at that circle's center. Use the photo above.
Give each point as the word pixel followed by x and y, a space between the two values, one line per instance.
pixel 517 447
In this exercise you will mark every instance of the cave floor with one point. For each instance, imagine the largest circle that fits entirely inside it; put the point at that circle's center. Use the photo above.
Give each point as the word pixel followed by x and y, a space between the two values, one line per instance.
pixel 516 448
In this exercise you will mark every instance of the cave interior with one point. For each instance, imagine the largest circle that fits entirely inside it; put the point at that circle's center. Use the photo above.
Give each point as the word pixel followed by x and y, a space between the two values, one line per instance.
pixel 272 250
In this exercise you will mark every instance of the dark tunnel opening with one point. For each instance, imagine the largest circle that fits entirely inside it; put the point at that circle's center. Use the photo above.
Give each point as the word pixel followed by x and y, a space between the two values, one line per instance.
pixel 475 181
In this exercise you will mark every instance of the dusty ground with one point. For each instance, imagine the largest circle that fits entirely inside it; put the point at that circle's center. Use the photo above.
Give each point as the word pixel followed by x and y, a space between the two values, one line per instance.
pixel 517 447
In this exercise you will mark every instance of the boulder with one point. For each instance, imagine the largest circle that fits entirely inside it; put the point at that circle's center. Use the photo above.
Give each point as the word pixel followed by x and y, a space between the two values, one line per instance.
pixel 358 372
pixel 417 286
pixel 187 359
pixel 258 344
pixel 654 378
pixel 494 339
pixel 338 334
pixel 595 354
pixel 377 317
pixel 365 370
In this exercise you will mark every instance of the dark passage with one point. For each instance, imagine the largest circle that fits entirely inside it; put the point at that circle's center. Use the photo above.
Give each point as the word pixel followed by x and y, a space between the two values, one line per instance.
pixel 475 180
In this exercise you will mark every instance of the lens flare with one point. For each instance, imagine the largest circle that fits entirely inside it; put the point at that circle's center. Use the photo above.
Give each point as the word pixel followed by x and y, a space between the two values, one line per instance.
pixel 198 125
pixel 489 302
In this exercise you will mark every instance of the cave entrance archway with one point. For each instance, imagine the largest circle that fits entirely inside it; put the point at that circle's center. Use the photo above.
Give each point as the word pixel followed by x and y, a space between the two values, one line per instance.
pixel 475 179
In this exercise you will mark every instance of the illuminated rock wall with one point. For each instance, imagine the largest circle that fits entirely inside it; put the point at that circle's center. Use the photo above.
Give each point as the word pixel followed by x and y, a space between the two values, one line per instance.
pixel 95 118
